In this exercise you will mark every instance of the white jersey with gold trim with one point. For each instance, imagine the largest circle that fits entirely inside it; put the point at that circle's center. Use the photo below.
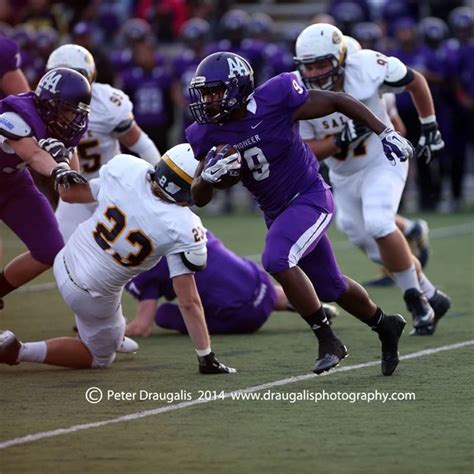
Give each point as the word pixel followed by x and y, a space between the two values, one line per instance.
pixel 364 79
pixel 110 107
pixel 130 229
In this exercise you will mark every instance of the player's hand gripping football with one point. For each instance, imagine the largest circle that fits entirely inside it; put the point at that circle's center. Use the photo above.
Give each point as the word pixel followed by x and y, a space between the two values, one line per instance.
pixel 210 365
pixel 430 141
pixel 218 165
pixel 64 176
pixel 60 152
pixel 395 146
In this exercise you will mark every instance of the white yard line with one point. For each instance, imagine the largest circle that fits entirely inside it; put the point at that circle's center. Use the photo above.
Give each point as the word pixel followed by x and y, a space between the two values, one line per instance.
pixel 438 233
pixel 178 406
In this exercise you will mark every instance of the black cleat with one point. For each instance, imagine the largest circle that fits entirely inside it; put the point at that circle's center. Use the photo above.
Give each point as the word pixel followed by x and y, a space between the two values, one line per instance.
pixel 440 302
pixel 2 304
pixel 421 311
pixel 389 331
pixel 419 241
pixel 331 352
pixel 9 348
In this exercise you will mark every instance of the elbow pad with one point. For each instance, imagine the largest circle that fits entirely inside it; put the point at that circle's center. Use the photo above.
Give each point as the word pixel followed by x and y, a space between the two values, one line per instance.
pixel 196 259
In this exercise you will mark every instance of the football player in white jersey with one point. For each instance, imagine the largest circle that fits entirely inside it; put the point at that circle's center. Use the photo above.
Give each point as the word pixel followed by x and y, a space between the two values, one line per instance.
pixel 367 187
pixel 111 124
pixel 141 215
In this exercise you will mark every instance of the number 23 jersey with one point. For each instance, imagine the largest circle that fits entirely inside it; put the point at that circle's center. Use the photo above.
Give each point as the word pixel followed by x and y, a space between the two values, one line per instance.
pixel 130 229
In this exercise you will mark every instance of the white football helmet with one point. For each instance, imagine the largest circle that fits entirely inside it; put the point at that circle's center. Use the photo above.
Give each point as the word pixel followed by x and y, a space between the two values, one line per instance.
pixel 318 43
pixel 74 57
pixel 174 173
pixel 353 46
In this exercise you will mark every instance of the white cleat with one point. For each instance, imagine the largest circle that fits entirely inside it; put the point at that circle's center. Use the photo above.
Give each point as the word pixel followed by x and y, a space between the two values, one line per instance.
pixel 128 346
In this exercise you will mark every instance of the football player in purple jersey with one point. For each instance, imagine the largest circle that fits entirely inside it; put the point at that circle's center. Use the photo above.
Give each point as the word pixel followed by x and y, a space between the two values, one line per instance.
pixel 238 296
pixel 54 117
pixel 12 79
pixel 281 172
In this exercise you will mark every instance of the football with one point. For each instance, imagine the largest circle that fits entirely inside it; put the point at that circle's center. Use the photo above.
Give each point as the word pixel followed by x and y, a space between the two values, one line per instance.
pixel 229 180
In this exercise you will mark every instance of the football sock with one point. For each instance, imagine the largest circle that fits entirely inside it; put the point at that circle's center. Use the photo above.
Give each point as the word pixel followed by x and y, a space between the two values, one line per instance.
pixel 426 286
pixel 33 352
pixel 407 279
pixel 319 323
pixel 376 319
pixel 5 286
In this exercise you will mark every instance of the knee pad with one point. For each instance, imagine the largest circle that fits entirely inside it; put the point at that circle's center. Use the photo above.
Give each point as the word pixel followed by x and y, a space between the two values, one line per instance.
pixel 380 226
pixel 273 262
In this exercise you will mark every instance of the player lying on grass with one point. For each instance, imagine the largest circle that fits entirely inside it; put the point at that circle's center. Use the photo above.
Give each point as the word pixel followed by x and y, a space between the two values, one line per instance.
pixel 237 295
pixel 141 216
pixel 282 174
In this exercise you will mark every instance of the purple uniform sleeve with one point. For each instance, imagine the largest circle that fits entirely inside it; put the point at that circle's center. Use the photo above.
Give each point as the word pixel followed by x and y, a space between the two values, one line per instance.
pixel 286 91
pixel 9 56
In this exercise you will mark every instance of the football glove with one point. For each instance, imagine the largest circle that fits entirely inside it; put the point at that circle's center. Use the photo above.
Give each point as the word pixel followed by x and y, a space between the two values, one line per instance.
pixel 65 177
pixel 59 152
pixel 430 142
pixel 395 146
pixel 218 165
pixel 351 132
pixel 210 365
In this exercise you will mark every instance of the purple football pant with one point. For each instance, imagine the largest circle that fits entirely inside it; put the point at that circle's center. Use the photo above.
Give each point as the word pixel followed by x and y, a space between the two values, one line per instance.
pixel 27 212
pixel 298 237
pixel 249 318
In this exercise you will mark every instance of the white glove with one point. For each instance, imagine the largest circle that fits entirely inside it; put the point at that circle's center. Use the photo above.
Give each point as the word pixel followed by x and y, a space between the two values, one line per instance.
pixel 218 165
pixel 395 146
pixel 59 152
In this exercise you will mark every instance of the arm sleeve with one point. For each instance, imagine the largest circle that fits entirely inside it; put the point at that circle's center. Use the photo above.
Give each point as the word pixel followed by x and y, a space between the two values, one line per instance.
pixel 397 76
pixel 94 184
pixel 176 265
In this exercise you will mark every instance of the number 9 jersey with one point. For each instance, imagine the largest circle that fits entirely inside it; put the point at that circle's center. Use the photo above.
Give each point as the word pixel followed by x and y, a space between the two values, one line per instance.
pixel 130 230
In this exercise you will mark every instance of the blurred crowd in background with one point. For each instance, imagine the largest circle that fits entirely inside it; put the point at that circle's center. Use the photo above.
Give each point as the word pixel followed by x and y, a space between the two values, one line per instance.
pixel 150 49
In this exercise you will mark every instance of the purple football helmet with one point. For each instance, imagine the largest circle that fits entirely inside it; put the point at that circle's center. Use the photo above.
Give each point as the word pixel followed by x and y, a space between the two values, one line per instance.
pixel 63 97
pixel 433 30
pixel 227 76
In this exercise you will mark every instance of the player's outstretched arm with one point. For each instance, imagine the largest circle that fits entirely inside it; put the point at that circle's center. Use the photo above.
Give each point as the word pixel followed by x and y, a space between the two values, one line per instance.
pixel 144 320
pixel 322 103
pixel 79 193
pixel 193 314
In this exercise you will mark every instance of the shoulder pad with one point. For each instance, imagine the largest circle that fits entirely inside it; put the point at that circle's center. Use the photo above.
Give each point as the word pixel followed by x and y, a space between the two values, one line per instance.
pixel 396 71
pixel 13 126
pixel 196 259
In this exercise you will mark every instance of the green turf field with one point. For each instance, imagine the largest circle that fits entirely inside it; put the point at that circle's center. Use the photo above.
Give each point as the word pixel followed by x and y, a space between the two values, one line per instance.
pixel 433 433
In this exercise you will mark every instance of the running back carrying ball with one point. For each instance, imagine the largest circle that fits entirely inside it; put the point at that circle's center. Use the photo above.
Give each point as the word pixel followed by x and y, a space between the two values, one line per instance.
pixel 222 166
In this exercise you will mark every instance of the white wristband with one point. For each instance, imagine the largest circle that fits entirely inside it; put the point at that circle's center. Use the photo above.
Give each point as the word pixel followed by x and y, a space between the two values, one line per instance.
pixel 427 120
pixel 203 352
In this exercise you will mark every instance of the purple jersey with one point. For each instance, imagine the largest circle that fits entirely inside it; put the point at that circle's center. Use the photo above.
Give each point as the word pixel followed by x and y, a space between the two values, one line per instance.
pixel 149 93
pixel 277 165
pixel 10 58
pixel 228 283
pixel 24 105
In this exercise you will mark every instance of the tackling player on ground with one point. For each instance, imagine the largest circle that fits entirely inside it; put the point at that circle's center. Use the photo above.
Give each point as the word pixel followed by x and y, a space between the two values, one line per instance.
pixel 141 216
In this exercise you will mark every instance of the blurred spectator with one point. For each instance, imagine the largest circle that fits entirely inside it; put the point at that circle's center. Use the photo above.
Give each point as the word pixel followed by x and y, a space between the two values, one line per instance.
pixel 369 35
pixel 149 87
pixel 165 16
pixel 12 79
pixel 42 13
pixel 194 35
pixel 83 35
pixel 412 53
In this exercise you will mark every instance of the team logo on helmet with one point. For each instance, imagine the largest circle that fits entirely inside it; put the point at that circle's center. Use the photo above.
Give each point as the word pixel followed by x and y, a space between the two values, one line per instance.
pixel 336 37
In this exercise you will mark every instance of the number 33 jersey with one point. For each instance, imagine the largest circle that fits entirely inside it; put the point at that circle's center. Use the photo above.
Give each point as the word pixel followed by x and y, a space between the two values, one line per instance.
pixel 111 114
pixel 365 78
pixel 130 230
